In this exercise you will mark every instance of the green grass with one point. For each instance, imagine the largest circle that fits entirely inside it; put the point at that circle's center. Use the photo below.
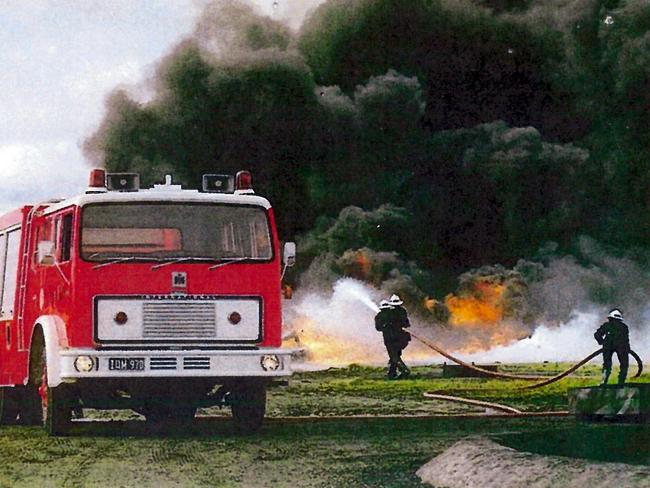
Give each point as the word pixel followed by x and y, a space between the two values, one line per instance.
pixel 369 452
pixel 363 390
pixel 377 452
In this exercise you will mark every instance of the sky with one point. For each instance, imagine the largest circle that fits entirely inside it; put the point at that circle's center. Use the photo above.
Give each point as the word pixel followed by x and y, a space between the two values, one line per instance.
pixel 59 59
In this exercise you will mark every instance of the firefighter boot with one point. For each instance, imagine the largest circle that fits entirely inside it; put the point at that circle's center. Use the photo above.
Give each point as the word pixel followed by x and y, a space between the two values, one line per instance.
pixel 392 371
pixel 404 371
pixel 606 373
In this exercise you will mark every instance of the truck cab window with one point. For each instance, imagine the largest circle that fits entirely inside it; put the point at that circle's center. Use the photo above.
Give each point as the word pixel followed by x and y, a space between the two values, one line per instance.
pixel 159 231
pixel 65 236
pixel 10 274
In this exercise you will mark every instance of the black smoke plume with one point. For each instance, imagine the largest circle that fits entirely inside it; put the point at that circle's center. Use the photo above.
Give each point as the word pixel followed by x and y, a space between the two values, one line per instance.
pixel 468 133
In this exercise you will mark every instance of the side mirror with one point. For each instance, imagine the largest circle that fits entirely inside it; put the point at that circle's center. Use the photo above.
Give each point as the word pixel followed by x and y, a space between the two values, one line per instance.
pixel 289 255
pixel 45 252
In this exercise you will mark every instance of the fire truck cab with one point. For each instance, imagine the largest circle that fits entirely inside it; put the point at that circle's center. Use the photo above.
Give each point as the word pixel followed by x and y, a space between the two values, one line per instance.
pixel 161 300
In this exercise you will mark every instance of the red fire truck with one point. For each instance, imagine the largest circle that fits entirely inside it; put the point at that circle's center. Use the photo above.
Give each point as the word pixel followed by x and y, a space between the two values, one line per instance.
pixel 160 300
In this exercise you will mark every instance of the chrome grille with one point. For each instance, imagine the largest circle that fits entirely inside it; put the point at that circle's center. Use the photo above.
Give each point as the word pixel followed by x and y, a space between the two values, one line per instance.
pixel 175 319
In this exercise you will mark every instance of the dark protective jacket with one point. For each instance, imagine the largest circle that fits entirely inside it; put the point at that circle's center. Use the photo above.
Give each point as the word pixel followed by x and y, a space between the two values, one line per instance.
pixel 382 319
pixel 391 322
pixel 613 335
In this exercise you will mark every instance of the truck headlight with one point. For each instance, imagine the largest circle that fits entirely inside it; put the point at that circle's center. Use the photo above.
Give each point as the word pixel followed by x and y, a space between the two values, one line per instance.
pixel 270 362
pixel 84 364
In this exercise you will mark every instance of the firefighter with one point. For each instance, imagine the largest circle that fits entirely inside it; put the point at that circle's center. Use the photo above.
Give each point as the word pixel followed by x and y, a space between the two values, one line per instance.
pixel 613 335
pixel 391 320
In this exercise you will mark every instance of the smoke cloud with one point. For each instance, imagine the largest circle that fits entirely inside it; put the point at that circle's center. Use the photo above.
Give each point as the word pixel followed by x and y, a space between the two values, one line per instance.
pixel 330 128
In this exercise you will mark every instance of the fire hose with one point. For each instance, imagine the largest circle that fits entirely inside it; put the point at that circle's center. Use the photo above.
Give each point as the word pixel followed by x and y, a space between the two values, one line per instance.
pixel 545 380
pixel 478 403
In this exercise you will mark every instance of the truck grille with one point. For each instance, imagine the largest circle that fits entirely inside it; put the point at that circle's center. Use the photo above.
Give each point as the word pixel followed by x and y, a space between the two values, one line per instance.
pixel 196 363
pixel 156 363
pixel 179 319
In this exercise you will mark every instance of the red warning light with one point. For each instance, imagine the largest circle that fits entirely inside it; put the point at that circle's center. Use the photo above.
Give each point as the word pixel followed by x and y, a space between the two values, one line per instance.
pixel 243 181
pixel 97 178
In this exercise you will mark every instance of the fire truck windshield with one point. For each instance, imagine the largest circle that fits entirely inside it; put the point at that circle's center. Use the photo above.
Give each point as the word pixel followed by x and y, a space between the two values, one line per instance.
pixel 174 231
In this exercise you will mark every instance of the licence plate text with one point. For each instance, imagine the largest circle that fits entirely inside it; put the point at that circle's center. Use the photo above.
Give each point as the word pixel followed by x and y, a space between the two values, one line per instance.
pixel 126 364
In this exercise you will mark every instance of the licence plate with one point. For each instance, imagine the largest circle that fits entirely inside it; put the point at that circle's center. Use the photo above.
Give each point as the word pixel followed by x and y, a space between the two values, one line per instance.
pixel 126 364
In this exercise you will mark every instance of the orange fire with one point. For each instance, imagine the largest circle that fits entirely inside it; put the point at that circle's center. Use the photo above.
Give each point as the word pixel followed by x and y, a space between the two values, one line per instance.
pixel 480 316
pixel 324 347
pixel 483 306
pixel 363 263
pixel 287 291
pixel 321 347
pixel 478 321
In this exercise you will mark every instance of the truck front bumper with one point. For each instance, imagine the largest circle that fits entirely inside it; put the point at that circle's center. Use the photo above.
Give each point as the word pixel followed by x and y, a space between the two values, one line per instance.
pixel 91 363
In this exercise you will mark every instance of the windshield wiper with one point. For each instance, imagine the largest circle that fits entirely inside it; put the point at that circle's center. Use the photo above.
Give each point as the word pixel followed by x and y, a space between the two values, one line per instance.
pixel 118 260
pixel 98 253
pixel 180 260
pixel 235 260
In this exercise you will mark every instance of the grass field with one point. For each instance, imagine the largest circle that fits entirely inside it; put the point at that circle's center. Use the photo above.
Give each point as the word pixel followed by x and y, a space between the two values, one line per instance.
pixel 319 452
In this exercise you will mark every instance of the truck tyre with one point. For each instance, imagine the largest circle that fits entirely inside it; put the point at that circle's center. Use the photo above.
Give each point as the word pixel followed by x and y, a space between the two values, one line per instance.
pixel 56 407
pixel 29 409
pixel 248 404
pixel 57 413
pixel 8 405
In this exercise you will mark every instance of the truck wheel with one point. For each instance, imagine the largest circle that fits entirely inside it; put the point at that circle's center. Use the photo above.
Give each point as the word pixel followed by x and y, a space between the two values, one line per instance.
pixel 248 404
pixel 56 408
pixel 57 413
pixel 8 405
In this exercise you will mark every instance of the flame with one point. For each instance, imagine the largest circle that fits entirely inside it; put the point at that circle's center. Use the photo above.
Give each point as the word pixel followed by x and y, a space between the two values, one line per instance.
pixel 339 330
pixel 483 306
pixel 429 303
pixel 287 291
pixel 321 346
pixel 363 263
pixel 479 316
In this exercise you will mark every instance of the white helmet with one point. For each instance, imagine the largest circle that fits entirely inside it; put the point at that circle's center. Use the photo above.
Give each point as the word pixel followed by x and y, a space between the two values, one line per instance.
pixel 615 313
pixel 384 304
pixel 394 300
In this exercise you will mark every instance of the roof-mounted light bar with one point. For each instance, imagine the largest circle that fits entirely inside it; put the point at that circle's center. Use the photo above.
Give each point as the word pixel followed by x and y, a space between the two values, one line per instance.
pixel 218 183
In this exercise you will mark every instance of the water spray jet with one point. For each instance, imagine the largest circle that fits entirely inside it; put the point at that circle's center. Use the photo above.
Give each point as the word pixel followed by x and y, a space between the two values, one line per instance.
pixel 355 290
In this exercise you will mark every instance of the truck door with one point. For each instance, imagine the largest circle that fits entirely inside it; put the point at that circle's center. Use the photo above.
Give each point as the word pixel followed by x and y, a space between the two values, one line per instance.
pixel 63 226
pixel 9 258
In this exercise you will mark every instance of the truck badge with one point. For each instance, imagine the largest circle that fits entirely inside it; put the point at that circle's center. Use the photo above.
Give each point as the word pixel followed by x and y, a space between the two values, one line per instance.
pixel 179 279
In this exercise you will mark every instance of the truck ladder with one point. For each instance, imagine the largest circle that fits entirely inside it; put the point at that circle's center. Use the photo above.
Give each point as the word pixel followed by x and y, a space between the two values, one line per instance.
pixel 24 274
